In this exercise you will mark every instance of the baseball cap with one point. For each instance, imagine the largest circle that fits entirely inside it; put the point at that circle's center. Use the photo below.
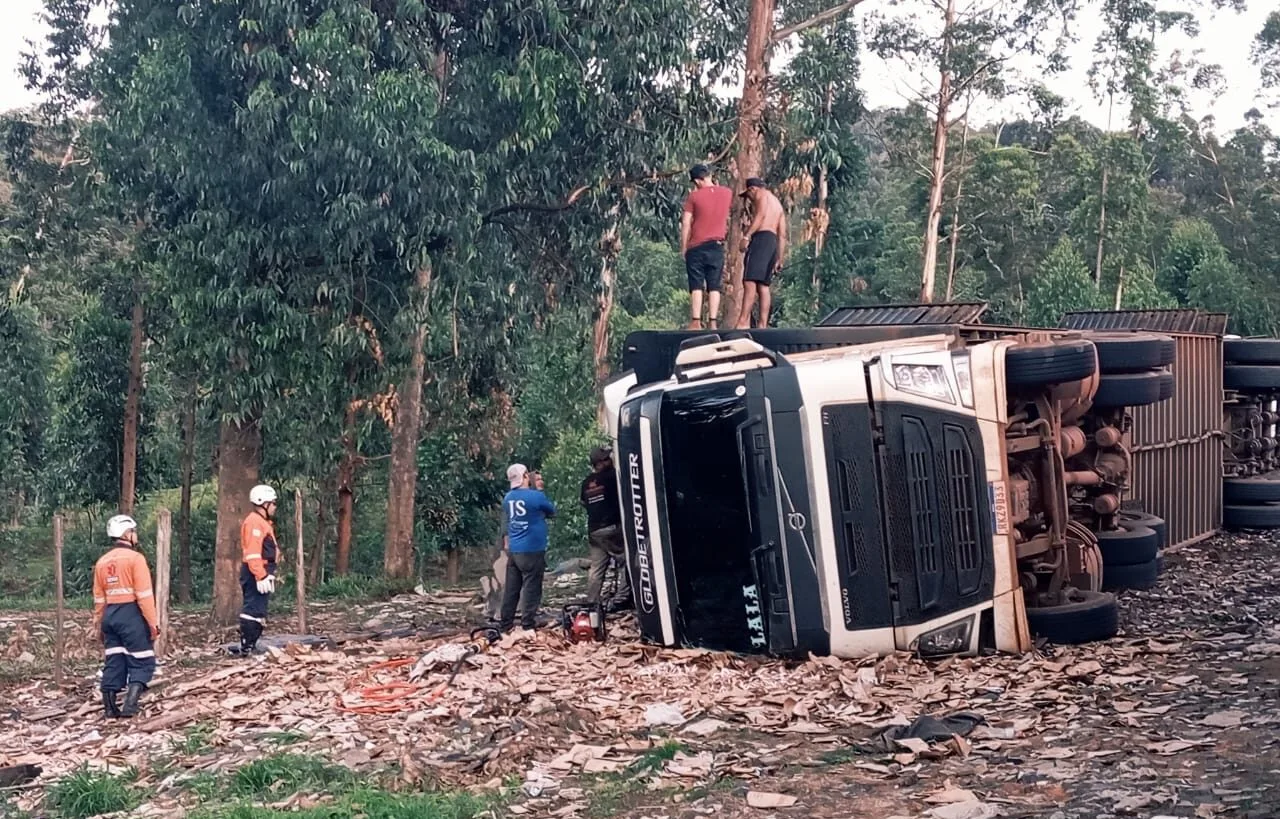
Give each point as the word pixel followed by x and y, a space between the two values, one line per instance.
pixel 699 171
pixel 600 453
pixel 515 474
pixel 753 182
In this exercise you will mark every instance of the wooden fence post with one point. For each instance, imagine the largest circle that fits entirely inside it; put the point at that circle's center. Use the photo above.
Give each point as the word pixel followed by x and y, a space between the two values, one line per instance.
pixel 58 617
pixel 300 572
pixel 164 534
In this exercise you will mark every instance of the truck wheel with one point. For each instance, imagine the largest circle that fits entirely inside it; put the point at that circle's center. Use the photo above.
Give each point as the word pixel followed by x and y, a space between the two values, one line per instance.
pixel 1168 351
pixel 1141 576
pixel 1130 545
pixel 1128 352
pixel 1128 389
pixel 1035 365
pixel 1250 490
pixel 1150 521
pixel 1166 386
pixel 1090 616
pixel 1262 516
pixel 1251 377
pixel 1251 350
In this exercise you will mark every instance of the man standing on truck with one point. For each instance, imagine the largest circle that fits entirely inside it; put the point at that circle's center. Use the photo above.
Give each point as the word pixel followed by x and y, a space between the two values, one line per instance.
pixel 259 553
pixel 765 243
pixel 525 510
pixel 124 616
pixel 599 495
pixel 703 226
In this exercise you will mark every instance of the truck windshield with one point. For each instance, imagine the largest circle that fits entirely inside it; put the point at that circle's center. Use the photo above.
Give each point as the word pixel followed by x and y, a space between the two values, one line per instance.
pixel 707 513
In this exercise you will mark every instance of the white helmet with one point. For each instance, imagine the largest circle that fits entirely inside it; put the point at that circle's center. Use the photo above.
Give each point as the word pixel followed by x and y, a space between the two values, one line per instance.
pixel 120 525
pixel 261 495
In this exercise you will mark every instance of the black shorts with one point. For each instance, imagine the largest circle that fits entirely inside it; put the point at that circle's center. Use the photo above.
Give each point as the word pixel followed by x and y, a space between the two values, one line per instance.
pixel 762 256
pixel 704 265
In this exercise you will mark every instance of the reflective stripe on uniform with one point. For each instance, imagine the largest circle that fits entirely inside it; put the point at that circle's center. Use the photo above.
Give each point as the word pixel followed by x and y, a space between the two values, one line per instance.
pixel 254 619
pixel 119 591
pixel 253 557
pixel 143 594
pixel 141 655
pixel 116 650
pixel 99 599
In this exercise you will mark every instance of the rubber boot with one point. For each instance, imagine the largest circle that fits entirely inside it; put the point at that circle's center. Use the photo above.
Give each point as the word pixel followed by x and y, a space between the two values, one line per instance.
pixel 249 634
pixel 130 706
pixel 110 707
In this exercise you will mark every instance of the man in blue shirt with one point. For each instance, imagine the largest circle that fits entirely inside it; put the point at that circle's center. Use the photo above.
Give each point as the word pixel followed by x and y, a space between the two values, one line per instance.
pixel 525 510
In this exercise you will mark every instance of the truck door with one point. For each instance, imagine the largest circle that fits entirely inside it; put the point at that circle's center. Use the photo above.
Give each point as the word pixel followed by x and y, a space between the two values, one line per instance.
pixel 937 510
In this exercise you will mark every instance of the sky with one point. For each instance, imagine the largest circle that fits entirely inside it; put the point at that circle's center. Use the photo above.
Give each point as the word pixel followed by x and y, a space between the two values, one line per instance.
pixel 1224 38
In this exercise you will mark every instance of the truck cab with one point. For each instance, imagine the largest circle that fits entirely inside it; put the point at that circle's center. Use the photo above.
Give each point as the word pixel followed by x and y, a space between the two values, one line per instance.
pixel 910 492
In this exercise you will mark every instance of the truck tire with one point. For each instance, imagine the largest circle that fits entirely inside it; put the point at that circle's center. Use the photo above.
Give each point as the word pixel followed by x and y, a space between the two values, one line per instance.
pixel 1141 576
pixel 1035 365
pixel 1127 352
pixel 1148 520
pixel 1251 351
pixel 1168 351
pixel 1251 377
pixel 1130 545
pixel 1167 386
pixel 1250 490
pixel 1261 516
pixel 1092 616
pixel 1128 389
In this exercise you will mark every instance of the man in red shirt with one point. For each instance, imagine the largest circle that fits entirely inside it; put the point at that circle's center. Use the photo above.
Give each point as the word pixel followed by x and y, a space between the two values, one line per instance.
pixel 702 230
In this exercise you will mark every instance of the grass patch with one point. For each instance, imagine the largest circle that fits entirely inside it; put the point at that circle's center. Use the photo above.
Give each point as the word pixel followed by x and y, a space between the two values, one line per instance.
pixel 207 787
pixel 359 587
pixel 196 740
pixel 288 774
pixel 610 792
pixel 370 804
pixel 282 739
pixel 83 793
pixel 837 757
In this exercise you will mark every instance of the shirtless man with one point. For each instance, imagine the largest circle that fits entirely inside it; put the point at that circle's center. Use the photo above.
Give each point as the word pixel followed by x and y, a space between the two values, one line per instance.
pixel 765 243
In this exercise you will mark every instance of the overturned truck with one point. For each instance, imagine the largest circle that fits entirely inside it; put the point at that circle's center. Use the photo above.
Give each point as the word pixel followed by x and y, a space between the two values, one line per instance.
pixel 899 478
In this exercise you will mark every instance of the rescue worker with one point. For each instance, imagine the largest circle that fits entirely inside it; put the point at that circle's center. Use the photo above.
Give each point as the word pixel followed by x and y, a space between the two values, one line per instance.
pixel 258 567
pixel 599 495
pixel 124 615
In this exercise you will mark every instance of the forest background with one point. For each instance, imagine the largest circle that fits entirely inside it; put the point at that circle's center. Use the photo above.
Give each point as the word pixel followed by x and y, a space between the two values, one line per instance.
pixel 376 250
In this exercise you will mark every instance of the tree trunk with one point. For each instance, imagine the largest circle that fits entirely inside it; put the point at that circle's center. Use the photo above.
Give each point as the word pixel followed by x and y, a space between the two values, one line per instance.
pixel 403 483
pixel 239 457
pixel 1102 228
pixel 453 566
pixel 610 247
pixel 132 400
pixel 315 572
pixel 1119 287
pixel 954 238
pixel 938 171
pixel 750 139
pixel 346 493
pixel 823 222
pixel 187 467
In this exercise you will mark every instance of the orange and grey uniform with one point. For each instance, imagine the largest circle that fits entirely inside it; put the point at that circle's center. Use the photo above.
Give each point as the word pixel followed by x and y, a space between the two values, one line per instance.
pixel 258 560
pixel 125 606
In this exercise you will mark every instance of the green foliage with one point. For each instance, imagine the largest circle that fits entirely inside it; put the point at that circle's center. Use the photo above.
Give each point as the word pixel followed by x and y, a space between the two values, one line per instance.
pixel 360 587
pixel 369 804
pixel 1062 284
pixel 286 774
pixel 23 400
pixel 84 793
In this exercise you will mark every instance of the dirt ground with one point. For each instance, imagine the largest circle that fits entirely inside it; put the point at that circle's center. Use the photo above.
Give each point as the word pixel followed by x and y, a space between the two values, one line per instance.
pixel 1176 717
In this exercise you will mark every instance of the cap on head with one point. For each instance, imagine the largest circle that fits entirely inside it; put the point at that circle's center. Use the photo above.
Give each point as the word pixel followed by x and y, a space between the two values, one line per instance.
pixel 699 171
pixel 261 495
pixel 600 454
pixel 120 525
pixel 515 475
pixel 753 182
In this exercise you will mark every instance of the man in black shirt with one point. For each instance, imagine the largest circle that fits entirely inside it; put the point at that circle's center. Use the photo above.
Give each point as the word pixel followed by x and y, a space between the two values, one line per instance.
pixel 604 531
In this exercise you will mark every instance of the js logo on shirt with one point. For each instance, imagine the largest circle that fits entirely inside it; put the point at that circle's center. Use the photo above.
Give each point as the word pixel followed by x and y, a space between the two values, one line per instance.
pixel 516 508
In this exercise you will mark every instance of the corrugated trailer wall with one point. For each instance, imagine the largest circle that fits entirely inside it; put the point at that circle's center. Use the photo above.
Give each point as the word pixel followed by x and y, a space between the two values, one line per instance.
pixel 1177 445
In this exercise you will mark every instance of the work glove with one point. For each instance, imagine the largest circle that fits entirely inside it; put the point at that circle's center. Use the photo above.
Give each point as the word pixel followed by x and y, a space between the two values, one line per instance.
pixel 267 585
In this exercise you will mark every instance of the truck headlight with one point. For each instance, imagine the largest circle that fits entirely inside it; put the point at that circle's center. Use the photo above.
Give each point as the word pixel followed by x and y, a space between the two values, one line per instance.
pixel 928 380
pixel 950 639
pixel 964 378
